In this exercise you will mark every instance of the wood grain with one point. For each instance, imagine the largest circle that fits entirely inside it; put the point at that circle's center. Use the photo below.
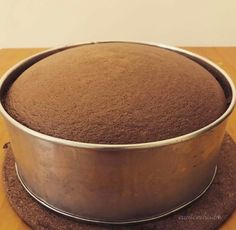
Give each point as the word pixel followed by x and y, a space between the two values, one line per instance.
pixel 224 57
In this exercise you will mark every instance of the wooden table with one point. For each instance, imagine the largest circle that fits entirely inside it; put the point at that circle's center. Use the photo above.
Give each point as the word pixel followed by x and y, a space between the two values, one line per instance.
pixel 224 57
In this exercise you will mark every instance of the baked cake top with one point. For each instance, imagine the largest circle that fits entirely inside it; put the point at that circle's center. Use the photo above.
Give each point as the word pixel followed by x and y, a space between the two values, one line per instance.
pixel 115 93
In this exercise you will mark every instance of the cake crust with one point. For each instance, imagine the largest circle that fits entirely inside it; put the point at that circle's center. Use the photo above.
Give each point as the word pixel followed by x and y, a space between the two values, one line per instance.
pixel 115 93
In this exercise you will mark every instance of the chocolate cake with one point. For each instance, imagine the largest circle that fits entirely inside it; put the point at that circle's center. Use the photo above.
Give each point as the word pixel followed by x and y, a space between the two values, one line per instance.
pixel 115 93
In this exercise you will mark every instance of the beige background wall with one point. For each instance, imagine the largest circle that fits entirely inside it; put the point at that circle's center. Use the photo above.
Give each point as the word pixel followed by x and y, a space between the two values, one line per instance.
pixel 45 23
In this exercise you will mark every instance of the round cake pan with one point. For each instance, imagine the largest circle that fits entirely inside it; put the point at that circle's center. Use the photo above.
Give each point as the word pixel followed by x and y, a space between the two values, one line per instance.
pixel 117 184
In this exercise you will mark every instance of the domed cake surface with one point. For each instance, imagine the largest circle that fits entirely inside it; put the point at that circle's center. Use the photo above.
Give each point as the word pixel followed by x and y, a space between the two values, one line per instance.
pixel 115 93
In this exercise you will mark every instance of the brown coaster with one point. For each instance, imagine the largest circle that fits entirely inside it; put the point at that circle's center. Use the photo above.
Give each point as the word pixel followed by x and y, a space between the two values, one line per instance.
pixel 208 212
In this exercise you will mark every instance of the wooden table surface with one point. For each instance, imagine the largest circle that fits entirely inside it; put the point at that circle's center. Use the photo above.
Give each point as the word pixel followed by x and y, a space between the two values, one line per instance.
pixel 224 57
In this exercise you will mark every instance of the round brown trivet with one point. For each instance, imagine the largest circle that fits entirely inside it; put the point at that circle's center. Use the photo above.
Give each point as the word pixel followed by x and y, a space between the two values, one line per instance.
pixel 208 212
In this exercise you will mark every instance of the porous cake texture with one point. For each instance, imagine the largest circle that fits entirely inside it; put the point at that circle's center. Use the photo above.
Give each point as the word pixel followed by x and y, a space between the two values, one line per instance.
pixel 115 93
